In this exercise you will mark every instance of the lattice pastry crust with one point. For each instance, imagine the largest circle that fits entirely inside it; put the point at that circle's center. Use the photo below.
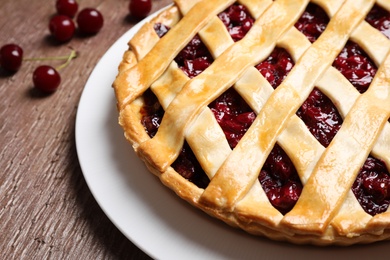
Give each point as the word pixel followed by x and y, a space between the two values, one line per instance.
pixel 327 211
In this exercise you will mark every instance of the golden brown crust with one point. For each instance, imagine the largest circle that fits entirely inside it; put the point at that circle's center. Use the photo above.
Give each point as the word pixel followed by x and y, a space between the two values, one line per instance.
pixel 327 211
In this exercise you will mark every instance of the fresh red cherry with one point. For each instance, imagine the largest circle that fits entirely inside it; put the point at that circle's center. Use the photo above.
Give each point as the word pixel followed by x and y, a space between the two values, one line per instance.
pixel 140 8
pixel 11 56
pixel 90 21
pixel 62 28
pixel 67 7
pixel 46 79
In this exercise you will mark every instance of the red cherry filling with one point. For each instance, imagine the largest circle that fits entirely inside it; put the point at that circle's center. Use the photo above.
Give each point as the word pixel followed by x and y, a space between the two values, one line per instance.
pixel 356 66
pixel 233 115
pixel 160 29
pixel 194 58
pixel 372 186
pixel 312 22
pixel 152 113
pixel 276 67
pixel 188 166
pixel 280 180
pixel 379 18
pixel 320 116
pixel 237 20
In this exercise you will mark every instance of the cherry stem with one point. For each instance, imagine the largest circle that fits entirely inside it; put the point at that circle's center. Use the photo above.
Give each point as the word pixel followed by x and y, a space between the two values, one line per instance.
pixel 72 55
pixel 68 58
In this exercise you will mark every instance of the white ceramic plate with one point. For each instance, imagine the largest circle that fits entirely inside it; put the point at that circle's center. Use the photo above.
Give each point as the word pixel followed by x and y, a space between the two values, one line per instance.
pixel 148 213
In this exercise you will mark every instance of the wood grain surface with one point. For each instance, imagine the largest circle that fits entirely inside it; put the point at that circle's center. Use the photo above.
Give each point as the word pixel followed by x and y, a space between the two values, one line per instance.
pixel 46 208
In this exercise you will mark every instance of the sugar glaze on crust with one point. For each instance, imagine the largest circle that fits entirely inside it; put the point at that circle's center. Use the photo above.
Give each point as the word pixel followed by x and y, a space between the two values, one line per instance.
pixel 327 212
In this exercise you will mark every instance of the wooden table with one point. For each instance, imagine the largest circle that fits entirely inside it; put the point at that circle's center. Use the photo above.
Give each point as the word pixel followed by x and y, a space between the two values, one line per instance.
pixel 46 208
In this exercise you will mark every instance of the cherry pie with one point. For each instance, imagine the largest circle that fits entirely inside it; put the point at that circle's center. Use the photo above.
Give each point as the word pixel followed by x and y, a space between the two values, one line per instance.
pixel 272 116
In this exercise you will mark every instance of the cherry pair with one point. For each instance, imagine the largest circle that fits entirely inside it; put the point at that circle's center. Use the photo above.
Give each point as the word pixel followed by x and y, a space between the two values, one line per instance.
pixel 62 27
